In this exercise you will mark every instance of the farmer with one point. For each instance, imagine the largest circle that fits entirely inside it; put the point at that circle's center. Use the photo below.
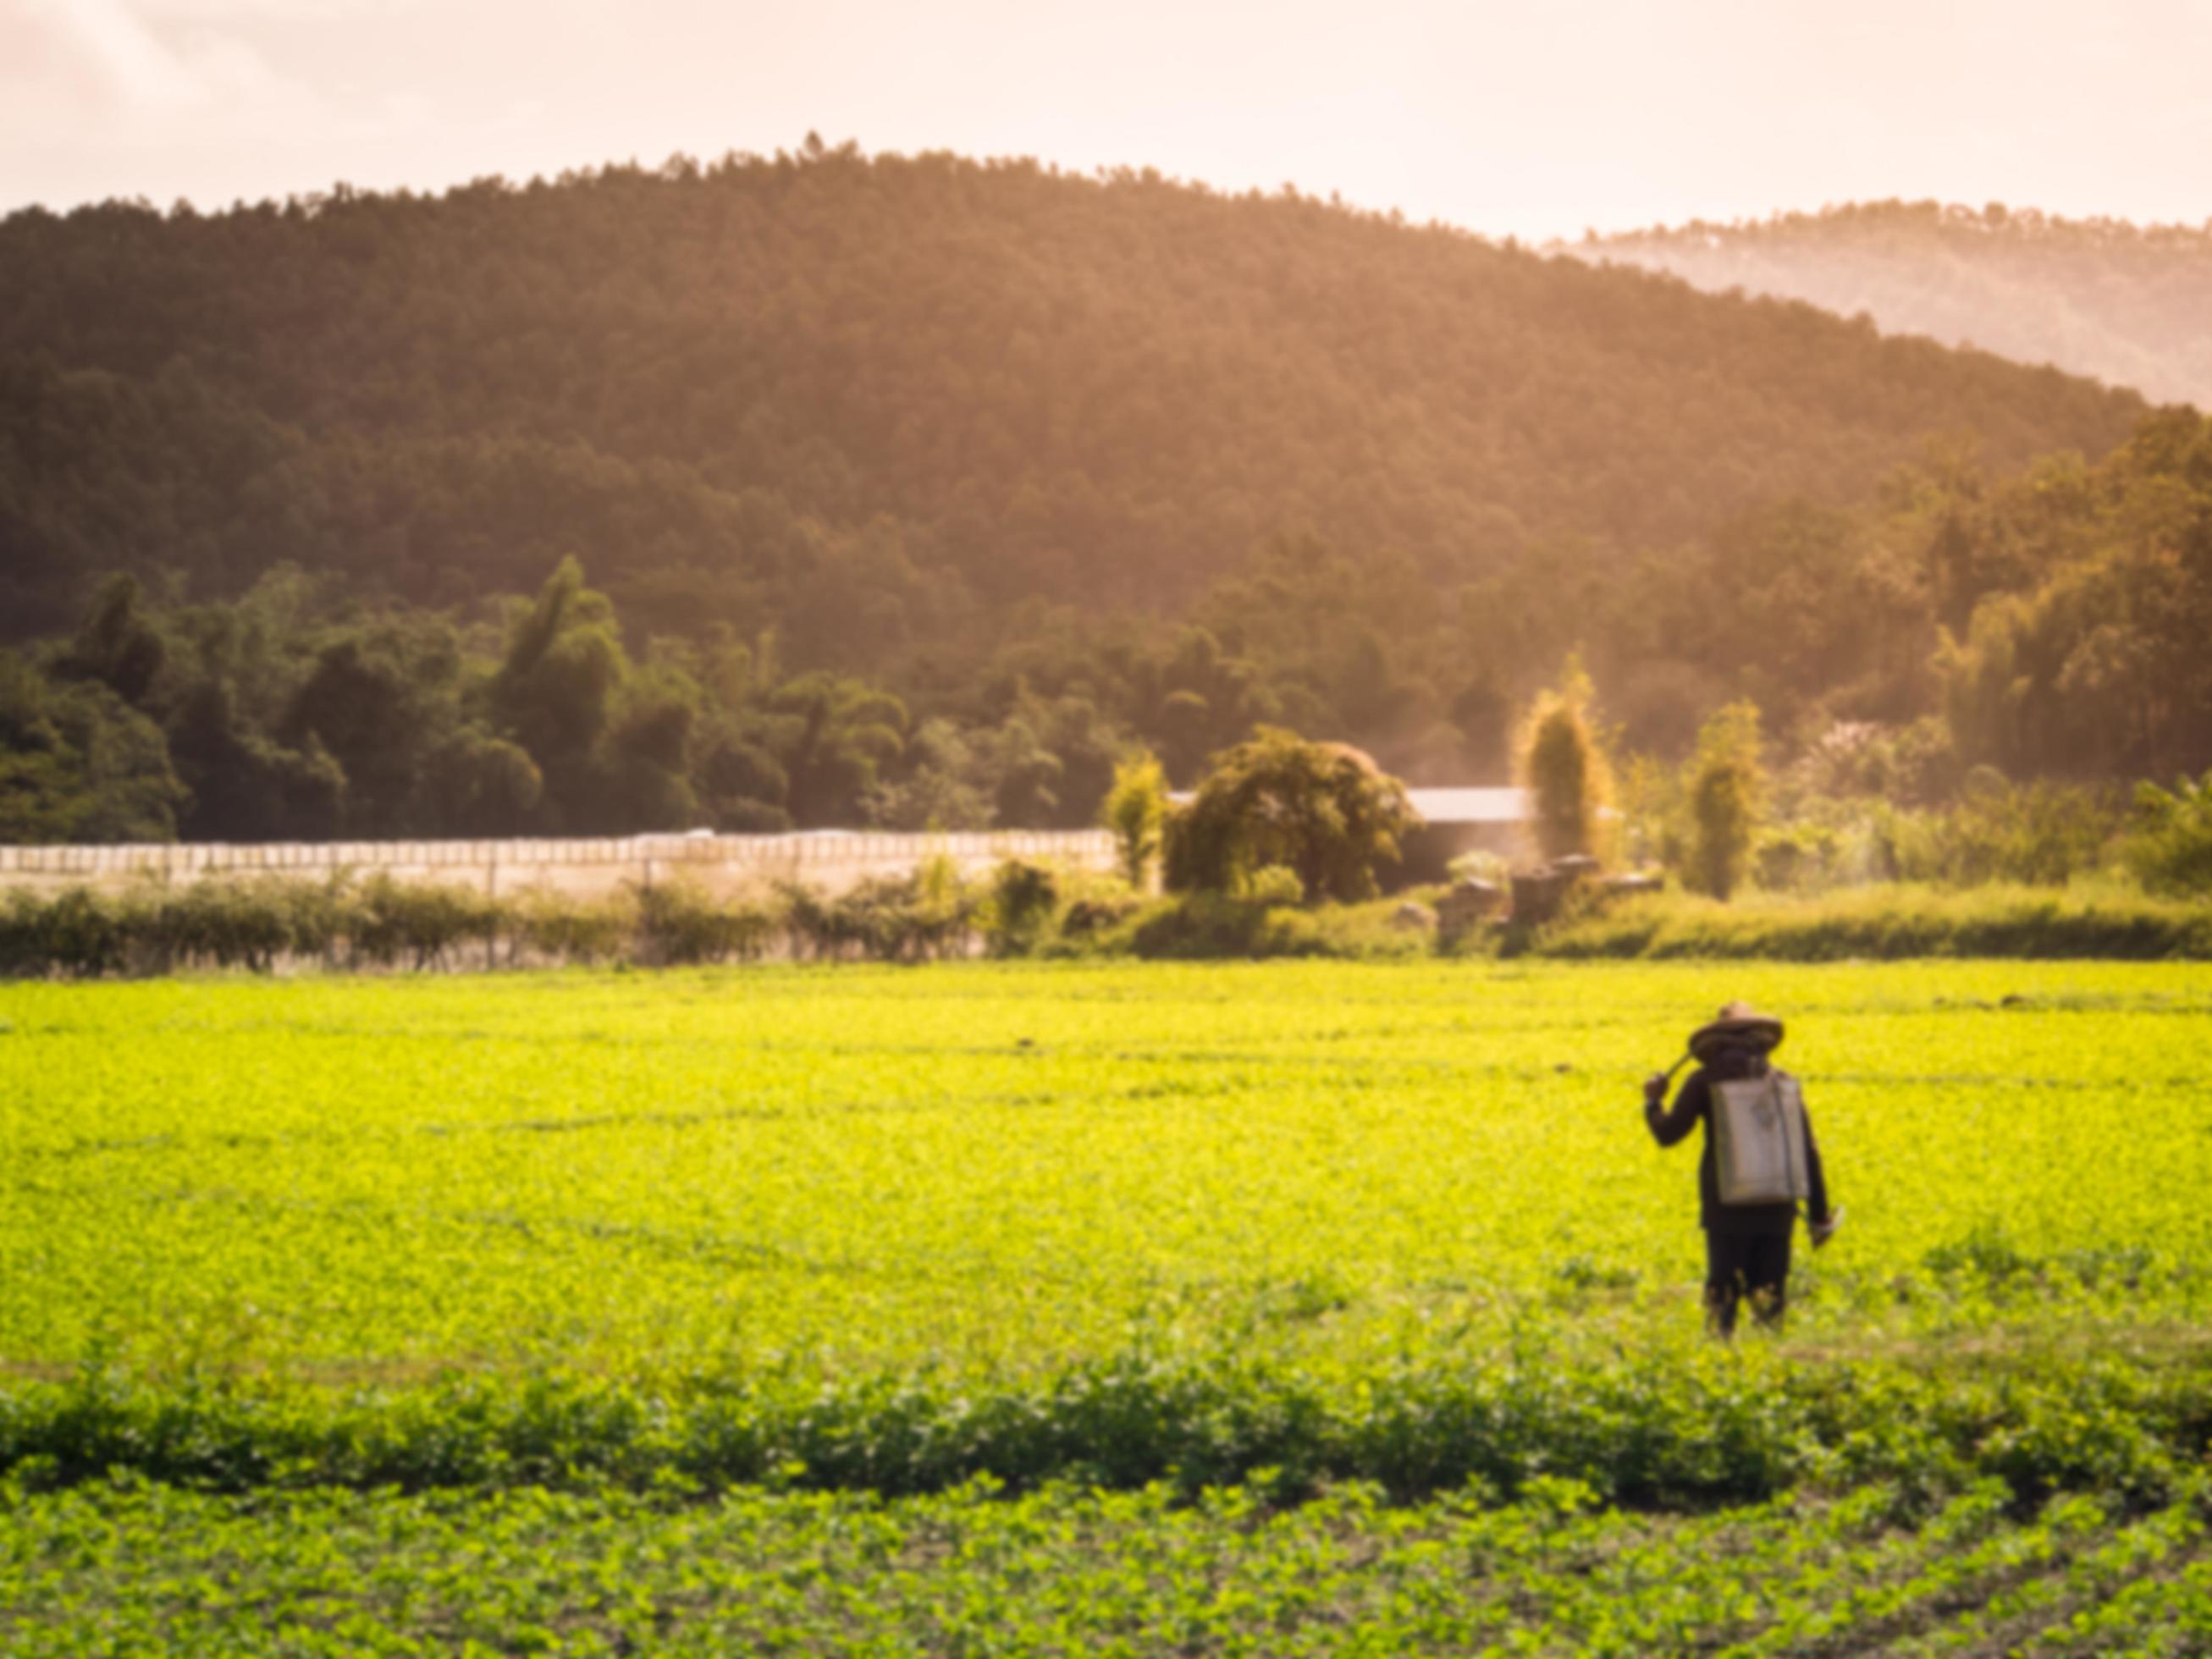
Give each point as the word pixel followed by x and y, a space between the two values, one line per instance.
pixel 1750 1209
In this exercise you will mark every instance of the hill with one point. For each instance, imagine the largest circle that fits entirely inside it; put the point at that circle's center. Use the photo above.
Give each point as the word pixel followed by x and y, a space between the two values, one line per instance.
pixel 916 491
pixel 879 401
pixel 2129 306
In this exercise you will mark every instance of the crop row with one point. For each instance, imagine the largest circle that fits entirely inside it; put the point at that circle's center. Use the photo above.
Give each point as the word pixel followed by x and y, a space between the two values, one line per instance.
pixel 1659 1432
pixel 124 1568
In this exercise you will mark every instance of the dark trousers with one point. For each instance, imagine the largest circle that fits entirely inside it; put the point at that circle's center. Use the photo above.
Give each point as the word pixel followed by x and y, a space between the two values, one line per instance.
pixel 1739 1265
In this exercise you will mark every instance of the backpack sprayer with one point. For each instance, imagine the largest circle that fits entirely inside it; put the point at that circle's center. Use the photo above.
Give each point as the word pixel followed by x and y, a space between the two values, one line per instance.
pixel 1759 1134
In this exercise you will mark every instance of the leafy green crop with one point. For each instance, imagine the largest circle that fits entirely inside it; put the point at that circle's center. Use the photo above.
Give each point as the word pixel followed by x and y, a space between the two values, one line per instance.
pixel 1281 1230
pixel 136 1568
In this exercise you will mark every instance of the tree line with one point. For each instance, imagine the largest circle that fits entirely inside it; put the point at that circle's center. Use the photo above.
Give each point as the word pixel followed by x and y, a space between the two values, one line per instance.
pixel 2047 626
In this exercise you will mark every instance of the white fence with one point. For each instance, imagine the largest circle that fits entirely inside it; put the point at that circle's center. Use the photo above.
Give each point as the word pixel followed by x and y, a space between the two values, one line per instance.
pixel 831 861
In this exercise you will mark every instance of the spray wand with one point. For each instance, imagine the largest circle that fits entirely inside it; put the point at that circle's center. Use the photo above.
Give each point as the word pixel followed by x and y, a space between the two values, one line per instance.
pixel 1662 1078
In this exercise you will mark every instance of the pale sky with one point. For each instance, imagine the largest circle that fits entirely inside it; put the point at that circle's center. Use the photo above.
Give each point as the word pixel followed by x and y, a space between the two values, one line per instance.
pixel 1533 119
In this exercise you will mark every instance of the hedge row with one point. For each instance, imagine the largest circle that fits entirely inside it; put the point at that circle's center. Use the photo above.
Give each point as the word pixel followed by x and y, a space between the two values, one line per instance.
pixel 1891 922
pixel 84 933
pixel 1027 909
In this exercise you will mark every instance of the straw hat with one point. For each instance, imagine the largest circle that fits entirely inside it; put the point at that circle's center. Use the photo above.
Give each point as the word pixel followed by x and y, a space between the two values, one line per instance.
pixel 1739 1023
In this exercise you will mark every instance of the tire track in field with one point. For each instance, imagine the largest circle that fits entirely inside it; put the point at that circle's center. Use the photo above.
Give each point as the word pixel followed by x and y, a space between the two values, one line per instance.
pixel 716 1249
pixel 1372 1077
pixel 1012 1100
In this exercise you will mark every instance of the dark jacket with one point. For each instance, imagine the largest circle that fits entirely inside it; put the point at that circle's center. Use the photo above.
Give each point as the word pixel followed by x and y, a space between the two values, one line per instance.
pixel 1693 1104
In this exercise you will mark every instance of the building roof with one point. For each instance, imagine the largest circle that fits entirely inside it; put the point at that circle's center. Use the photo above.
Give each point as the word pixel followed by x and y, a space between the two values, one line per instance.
pixel 1471 805
pixel 1496 806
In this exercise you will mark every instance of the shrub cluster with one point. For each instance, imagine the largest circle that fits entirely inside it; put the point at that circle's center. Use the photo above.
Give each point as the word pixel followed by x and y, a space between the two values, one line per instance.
pixel 1021 908
pixel 82 932
pixel 2041 834
pixel 1202 926
pixel 2171 848
pixel 1025 910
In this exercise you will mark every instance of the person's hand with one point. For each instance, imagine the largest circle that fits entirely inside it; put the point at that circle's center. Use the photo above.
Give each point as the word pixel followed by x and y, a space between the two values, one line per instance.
pixel 1655 1088
pixel 1822 1232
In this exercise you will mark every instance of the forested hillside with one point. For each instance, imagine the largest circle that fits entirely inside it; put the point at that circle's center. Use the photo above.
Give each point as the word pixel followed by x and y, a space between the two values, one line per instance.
pixel 2129 306
pixel 877 401
pixel 829 490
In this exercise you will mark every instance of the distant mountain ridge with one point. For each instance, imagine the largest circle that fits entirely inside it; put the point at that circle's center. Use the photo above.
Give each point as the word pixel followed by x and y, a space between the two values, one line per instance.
pixel 2129 306
pixel 879 402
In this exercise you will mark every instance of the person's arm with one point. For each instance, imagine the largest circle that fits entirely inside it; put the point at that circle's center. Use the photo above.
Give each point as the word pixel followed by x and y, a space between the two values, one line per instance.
pixel 1669 1124
pixel 1817 1216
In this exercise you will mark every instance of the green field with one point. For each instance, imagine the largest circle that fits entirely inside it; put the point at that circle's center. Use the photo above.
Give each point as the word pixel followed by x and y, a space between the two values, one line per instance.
pixel 711 1298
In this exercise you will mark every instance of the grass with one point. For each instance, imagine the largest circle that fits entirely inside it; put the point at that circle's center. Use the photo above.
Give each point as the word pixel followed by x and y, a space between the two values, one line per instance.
pixel 1895 921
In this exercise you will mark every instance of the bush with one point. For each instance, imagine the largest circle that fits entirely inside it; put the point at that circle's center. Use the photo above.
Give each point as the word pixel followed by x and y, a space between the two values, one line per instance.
pixel 1325 810
pixel 78 933
pixel 153 929
pixel 1274 885
pixel 319 915
pixel 1865 760
pixel 1797 857
pixel 930 912
pixel 1563 766
pixel 1206 927
pixel 1136 810
pixel 1726 795
pixel 550 926
pixel 2041 834
pixel 1480 865
pixel 1097 907
pixel 1019 911
pixel 259 924
pixel 1891 922
pixel 420 922
pixel 680 925
pixel 2169 845
pixel 227 925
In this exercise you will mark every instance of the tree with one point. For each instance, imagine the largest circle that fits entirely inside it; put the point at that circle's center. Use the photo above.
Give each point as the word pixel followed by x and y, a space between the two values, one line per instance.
pixel 831 733
pixel 1025 773
pixel 1206 697
pixel 1324 810
pixel 2170 848
pixel 554 690
pixel 484 786
pixel 245 785
pixel 1563 766
pixel 1136 810
pixel 77 765
pixel 742 786
pixel 942 789
pixel 1727 793
pixel 645 755
pixel 372 709
pixel 116 644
